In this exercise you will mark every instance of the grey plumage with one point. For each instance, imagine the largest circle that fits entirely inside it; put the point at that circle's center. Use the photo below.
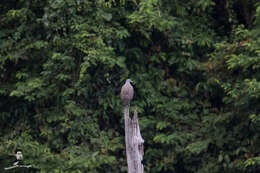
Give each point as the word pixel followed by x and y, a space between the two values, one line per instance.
pixel 127 92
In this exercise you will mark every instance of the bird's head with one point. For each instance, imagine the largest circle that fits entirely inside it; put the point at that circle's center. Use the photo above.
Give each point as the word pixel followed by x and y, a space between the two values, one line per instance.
pixel 129 80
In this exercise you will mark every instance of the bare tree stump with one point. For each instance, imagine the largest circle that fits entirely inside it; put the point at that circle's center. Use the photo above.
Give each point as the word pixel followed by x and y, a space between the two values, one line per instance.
pixel 134 143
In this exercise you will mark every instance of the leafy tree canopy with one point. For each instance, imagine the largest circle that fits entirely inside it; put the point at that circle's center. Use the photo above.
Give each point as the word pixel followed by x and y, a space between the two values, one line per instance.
pixel 196 72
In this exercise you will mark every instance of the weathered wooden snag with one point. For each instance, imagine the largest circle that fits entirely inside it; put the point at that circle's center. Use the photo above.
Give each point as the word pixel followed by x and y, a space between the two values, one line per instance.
pixel 134 142
pixel 133 139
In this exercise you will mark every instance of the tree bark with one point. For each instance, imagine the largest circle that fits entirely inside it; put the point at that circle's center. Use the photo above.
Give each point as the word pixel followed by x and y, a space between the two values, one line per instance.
pixel 134 143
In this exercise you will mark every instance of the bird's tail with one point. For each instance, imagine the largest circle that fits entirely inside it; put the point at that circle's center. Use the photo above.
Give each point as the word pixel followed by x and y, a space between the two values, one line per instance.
pixel 126 110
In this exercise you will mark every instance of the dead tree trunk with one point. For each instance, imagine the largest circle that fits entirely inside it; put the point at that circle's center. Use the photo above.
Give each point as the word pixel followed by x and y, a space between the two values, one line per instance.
pixel 134 142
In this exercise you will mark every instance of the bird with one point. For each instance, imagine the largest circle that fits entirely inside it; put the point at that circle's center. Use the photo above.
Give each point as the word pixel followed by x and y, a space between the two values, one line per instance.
pixel 127 93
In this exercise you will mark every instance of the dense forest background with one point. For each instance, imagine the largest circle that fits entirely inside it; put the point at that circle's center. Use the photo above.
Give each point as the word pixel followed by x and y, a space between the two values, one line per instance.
pixel 196 71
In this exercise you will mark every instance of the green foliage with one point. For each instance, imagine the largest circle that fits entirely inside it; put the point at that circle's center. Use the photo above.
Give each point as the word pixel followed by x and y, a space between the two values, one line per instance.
pixel 195 72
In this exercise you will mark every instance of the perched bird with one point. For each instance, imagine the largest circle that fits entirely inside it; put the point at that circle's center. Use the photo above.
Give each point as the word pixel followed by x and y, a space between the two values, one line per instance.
pixel 127 93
